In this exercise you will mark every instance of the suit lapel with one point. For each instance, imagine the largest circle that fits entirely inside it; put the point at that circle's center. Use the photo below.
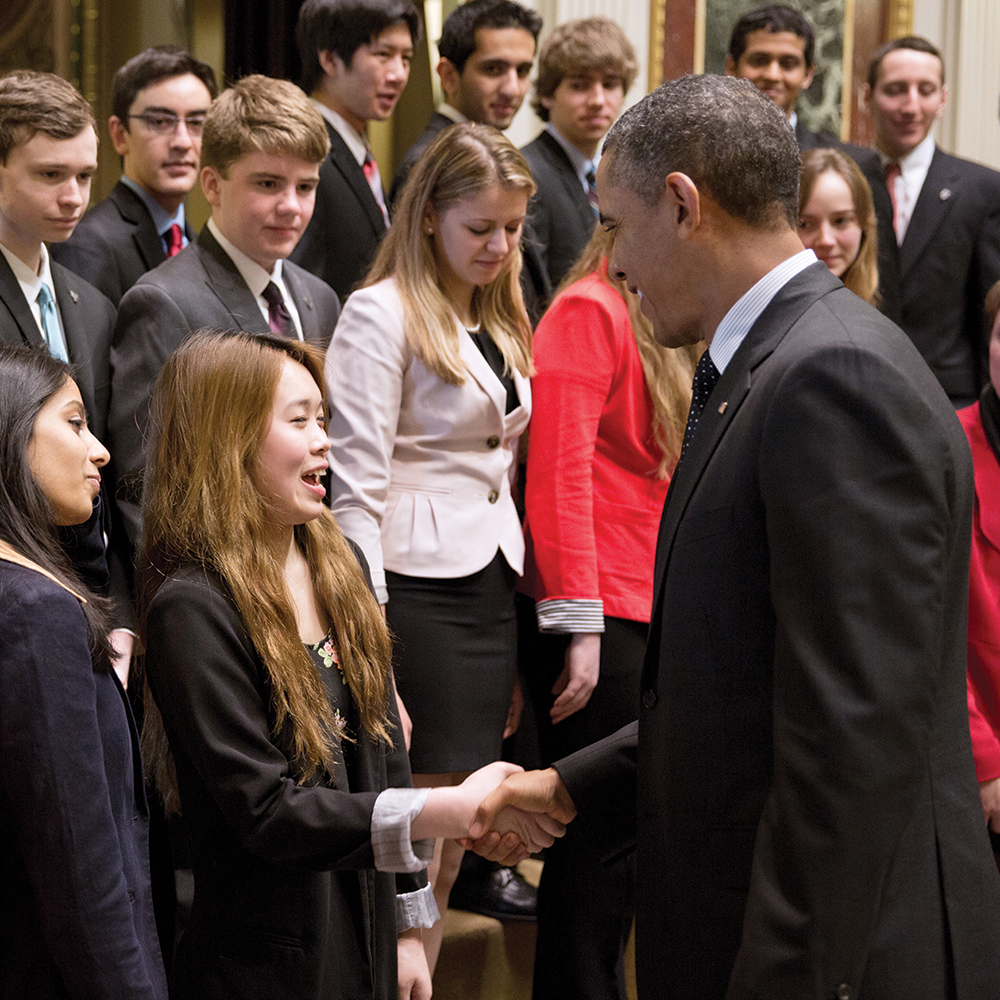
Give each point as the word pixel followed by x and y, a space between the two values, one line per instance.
pixel 570 180
pixel 19 321
pixel 479 368
pixel 75 323
pixel 225 281
pixel 934 203
pixel 144 235
pixel 343 159
pixel 303 303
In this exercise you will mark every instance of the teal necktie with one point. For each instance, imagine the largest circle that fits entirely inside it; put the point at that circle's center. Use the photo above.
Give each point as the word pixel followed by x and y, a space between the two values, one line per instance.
pixel 50 325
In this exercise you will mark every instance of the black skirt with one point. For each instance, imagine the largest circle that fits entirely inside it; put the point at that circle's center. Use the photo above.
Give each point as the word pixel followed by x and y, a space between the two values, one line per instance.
pixel 455 657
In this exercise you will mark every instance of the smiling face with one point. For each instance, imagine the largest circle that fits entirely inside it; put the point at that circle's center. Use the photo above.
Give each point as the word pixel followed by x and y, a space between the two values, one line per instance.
pixel 474 238
pixel 908 98
pixel 370 86
pixel 264 205
pixel 44 189
pixel 65 458
pixel 584 106
pixel 165 166
pixel 828 224
pixel 495 78
pixel 775 63
pixel 292 457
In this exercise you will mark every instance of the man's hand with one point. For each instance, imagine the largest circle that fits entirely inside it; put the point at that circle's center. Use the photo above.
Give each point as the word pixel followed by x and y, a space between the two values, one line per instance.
pixel 579 676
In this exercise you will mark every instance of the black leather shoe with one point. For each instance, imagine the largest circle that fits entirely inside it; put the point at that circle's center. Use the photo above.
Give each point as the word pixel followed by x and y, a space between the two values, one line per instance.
pixel 494 891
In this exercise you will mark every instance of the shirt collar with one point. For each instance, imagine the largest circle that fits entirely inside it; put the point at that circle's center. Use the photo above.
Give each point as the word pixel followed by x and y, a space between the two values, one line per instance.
pixel 25 276
pixel 793 119
pixel 581 164
pixel 453 113
pixel 253 274
pixel 736 324
pixel 356 142
pixel 918 158
pixel 162 219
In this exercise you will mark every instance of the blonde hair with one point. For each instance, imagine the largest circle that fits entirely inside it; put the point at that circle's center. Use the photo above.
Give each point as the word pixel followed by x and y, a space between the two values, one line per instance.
pixel 862 276
pixel 462 161
pixel 668 371
pixel 262 115
pixel 202 505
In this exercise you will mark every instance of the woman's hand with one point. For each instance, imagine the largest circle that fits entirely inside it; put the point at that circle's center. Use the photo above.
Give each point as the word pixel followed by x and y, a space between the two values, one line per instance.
pixel 413 976
pixel 576 683
pixel 989 792
pixel 516 707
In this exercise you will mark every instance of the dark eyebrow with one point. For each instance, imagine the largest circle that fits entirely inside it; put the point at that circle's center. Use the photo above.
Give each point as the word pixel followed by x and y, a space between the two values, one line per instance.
pixel 157 110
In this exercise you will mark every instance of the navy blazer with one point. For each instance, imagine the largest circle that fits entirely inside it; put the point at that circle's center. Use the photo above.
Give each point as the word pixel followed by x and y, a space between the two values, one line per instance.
pixel 808 819
pixel 115 244
pixel 73 817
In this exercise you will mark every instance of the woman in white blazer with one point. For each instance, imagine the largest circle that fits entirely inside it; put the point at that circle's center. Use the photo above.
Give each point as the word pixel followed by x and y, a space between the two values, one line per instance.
pixel 428 381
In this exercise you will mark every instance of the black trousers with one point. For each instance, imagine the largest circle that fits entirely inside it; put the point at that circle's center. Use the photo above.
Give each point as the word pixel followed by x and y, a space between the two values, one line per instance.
pixel 585 908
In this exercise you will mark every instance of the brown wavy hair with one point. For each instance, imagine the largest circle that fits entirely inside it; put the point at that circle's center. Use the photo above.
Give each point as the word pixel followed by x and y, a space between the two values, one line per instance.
pixel 668 371
pixel 203 506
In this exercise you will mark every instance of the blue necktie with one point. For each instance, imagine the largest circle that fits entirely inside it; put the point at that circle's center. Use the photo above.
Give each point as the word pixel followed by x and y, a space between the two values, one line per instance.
pixel 592 191
pixel 50 325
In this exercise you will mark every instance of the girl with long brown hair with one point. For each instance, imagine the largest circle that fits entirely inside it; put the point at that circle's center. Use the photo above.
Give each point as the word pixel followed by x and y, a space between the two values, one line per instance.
pixel 272 722
pixel 610 407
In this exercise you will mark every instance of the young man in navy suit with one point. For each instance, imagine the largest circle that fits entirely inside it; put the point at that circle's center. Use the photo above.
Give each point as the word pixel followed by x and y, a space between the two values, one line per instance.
pixel 939 232
pixel 355 63
pixel 585 69
pixel 159 101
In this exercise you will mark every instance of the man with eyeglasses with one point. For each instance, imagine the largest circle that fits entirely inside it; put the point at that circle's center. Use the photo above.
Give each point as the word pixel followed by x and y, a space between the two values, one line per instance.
pixel 159 101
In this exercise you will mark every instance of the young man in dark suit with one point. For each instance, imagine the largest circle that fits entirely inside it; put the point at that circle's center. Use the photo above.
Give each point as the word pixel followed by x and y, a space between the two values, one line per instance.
pixel 773 47
pixel 262 146
pixel 159 101
pixel 585 69
pixel 799 787
pixel 355 63
pixel 939 230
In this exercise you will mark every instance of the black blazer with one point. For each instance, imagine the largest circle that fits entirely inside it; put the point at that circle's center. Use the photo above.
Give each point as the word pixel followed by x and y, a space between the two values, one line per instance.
pixel 287 902
pixel 78 916
pixel 809 823
pixel 200 288
pixel 115 244
pixel 560 220
pixel 947 263
pixel 438 123
pixel 808 139
pixel 347 226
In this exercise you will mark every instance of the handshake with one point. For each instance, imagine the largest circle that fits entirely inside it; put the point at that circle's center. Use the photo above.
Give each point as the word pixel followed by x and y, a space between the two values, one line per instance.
pixel 501 812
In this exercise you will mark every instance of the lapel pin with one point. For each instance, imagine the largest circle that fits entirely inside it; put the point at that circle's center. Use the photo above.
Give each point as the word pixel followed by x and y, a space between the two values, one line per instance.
pixel 309 302
pixel 74 296
pixel 723 405
pixel 945 194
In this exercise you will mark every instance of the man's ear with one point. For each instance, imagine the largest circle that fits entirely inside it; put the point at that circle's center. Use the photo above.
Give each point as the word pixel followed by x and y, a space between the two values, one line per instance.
pixel 730 66
pixel 119 135
pixel 866 97
pixel 682 194
pixel 211 186
pixel 808 79
pixel 329 63
pixel 449 76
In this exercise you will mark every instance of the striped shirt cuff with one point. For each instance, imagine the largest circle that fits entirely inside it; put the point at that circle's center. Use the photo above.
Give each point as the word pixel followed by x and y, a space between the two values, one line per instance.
pixel 570 614
pixel 395 809
pixel 416 909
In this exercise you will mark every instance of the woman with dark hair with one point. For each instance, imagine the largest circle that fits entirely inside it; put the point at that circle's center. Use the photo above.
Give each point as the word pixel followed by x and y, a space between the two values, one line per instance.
pixel 73 819
pixel 272 722
pixel 428 373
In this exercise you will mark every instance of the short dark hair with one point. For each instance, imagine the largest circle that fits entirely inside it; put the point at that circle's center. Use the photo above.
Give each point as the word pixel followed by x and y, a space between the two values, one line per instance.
pixel 32 102
pixel 458 33
pixel 161 62
pixel 914 42
pixel 773 18
pixel 343 26
pixel 734 144
pixel 591 43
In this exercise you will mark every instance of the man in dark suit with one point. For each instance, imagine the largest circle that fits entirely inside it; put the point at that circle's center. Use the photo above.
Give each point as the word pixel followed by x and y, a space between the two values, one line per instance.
pixel 356 61
pixel 774 48
pixel 159 101
pixel 263 144
pixel 799 786
pixel 585 69
pixel 939 228
pixel 487 48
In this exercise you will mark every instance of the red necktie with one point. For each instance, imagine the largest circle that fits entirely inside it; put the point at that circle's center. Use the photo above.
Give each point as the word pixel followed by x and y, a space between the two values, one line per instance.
pixel 175 240
pixel 370 167
pixel 279 319
pixel 892 171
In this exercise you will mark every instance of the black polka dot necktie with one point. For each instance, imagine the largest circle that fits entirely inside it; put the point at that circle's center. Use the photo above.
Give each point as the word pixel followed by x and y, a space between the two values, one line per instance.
pixel 705 377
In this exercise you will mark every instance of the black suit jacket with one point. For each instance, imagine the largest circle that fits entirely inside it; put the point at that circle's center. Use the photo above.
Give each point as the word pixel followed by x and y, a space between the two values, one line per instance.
pixel 438 123
pixel 949 259
pixel 115 244
pixel 807 139
pixel 347 225
pixel 560 219
pixel 200 288
pixel 809 823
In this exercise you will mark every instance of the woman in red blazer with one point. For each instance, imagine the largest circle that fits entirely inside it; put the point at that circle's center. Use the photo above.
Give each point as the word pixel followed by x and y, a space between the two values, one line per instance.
pixel 982 426
pixel 610 408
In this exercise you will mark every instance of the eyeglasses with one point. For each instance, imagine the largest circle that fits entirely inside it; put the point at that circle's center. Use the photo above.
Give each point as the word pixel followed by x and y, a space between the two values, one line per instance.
pixel 160 123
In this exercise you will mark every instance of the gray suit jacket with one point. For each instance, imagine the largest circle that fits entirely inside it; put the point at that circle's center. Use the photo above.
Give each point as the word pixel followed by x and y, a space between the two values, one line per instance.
pixel 809 823
pixel 198 289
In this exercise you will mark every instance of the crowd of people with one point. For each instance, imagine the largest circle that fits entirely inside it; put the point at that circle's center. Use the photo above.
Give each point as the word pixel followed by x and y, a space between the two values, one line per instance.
pixel 649 426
